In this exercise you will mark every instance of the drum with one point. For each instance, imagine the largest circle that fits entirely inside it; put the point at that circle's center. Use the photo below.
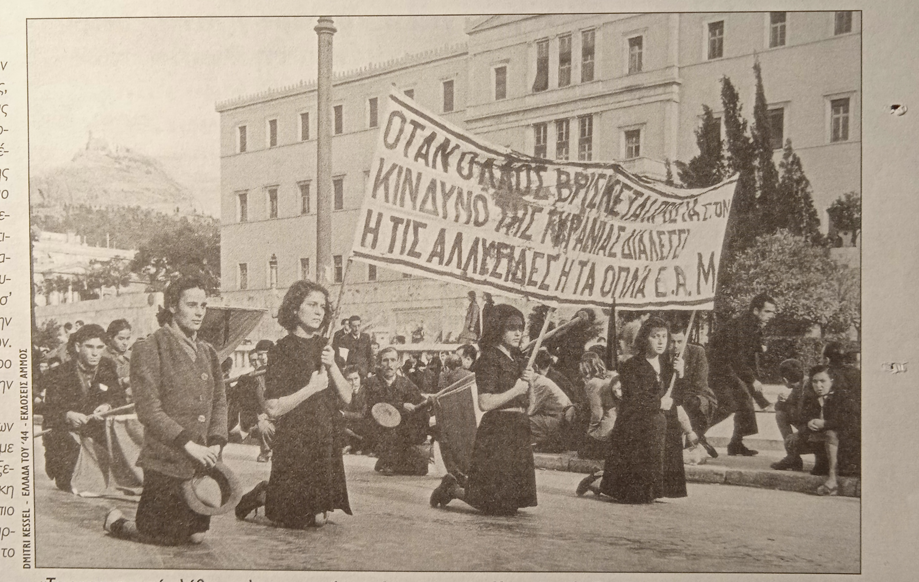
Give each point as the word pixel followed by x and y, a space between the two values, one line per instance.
pixel 386 415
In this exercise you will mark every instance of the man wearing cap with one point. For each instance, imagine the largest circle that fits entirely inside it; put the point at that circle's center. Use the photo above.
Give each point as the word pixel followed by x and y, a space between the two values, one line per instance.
pixel 181 402
pixel 397 446
pixel 78 392
pixel 251 390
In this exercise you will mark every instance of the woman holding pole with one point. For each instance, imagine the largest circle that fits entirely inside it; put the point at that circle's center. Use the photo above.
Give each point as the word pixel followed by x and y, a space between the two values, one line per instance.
pixel 307 474
pixel 502 476
pixel 645 460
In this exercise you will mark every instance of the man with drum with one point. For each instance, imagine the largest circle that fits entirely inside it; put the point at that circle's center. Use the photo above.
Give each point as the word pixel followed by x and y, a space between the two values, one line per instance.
pixel 402 424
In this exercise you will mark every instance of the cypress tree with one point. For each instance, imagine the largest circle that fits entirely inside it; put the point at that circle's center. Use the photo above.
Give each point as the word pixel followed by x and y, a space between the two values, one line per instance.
pixel 745 223
pixel 767 177
pixel 795 199
pixel 707 168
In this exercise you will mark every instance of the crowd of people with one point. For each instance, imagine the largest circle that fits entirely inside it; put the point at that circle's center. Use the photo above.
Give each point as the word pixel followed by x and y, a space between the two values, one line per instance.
pixel 309 400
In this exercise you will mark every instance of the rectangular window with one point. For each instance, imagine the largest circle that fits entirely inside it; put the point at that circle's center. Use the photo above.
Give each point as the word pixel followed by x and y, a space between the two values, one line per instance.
pixel 716 40
pixel 406 275
pixel 272 133
pixel 448 96
pixel 339 122
pixel 243 198
pixel 305 268
pixel 500 83
pixel 304 197
pixel 542 66
pixel 636 44
pixel 564 60
pixel 273 272
pixel 242 280
pixel 632 144
pixel 272 202
pixel 304 126
pixel 540 140
pixel 410 93
pixel 241 144
pixel 839 119
pixel 777 128
pixel 372 112
pixel 587 55
pixel 585 137
pixel 371 272
pixel 561 139
pixel 339 273
pixel 338 187
pixel 777 29
pixel 843 22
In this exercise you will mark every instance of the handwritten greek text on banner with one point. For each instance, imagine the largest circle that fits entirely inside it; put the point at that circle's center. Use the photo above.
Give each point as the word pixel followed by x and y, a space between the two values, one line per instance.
pixel 442 203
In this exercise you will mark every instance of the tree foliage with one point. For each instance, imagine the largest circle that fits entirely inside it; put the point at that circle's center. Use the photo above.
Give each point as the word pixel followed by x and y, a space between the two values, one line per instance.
pixel 707 167
pixel 808 285
pixel 767 177
pixel 846 213
pixel 740 159
pixel 47 334
pixel 186 250
pixel 794 203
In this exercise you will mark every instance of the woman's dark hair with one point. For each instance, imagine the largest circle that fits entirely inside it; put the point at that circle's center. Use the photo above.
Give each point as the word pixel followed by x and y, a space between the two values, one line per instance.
pixel 117 326
pixel 293 299
pixel 496 324
pixel 641 340
pixel 452 362
pixel 350 369
pixel 468 351
pixel 835 353
pixel 172 295
pixel 85 333
pixel 822 368
pixel 543 359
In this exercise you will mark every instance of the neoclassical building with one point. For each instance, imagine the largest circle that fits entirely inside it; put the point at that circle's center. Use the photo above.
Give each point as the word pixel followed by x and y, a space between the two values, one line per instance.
pixel 626 87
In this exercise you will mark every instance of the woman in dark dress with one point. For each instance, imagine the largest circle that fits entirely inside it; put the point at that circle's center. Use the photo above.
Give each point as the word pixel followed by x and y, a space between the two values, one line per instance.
pixel 307 474
pixel 645 459
pixel 502 476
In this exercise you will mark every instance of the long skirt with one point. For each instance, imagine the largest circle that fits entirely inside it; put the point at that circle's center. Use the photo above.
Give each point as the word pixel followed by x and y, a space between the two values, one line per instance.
pixel 163 515
pixel 502 475
pixel 307 478
pixel 645 460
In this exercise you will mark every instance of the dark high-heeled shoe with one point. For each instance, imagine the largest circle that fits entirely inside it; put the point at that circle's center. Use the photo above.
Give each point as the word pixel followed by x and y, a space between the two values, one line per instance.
pixel 252 500
pixel 586 482
pixel 441 496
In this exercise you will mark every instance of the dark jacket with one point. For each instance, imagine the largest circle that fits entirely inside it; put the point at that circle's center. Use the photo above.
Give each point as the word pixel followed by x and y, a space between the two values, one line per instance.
pixel 840 413
pixel 65 393
pixel 695 378
pixel 360 353
pixel 178 400
pixel 735 351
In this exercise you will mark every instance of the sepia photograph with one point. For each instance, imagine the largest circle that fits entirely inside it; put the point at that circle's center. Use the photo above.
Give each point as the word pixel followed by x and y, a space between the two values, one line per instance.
pixel 562 292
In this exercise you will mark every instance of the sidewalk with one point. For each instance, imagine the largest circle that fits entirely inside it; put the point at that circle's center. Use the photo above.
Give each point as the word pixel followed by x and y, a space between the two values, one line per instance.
pixel 725 470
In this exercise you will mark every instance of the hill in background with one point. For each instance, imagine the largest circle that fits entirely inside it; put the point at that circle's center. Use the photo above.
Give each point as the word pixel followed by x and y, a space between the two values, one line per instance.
pixel 103 176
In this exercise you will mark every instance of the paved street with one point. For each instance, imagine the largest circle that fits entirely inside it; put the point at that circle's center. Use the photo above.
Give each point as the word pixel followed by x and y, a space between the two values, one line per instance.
pixel 718 528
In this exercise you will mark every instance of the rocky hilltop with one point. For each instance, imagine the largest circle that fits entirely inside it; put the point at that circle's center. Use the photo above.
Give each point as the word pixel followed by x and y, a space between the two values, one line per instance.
pixel 102 176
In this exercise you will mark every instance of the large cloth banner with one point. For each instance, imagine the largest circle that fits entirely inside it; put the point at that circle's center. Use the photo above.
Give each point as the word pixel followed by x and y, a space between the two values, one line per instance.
pixel 442 203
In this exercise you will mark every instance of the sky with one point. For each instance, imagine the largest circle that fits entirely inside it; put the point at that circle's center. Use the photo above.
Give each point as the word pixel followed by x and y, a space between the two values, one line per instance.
pixel 152 84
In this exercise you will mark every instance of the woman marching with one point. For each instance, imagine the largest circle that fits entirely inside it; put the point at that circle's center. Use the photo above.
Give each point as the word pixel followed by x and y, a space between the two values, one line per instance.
pixel 501 476
pixel 307 474
pixel 645 459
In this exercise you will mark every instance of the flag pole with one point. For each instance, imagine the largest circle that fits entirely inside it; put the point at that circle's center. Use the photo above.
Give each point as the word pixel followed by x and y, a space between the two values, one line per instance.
pixel 542 335
pixel 341 294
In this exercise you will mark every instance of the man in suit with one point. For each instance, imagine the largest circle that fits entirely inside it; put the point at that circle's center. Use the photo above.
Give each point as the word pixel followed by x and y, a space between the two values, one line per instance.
pixel 78 392
pixel 692 391
pixel 337 338
pixel 398 453
pixel 181 401
pixel 735 375
pixel 360 353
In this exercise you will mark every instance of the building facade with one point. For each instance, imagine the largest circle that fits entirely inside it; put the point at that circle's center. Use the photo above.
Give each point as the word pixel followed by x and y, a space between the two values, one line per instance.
pixel 625 87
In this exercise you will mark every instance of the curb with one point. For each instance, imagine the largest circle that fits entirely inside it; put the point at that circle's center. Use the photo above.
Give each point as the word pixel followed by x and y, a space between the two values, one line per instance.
pixel 719 475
